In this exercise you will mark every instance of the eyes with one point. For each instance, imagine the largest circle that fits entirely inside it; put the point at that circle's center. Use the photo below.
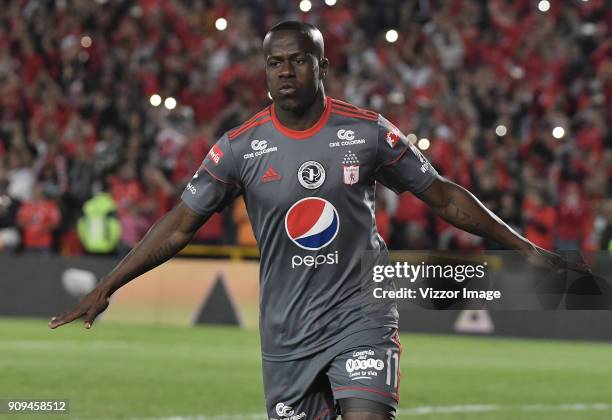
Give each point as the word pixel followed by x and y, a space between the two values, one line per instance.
pixel 275 63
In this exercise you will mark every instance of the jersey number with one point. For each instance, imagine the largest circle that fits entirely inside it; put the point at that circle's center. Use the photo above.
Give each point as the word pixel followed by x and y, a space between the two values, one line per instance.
pixel 392 372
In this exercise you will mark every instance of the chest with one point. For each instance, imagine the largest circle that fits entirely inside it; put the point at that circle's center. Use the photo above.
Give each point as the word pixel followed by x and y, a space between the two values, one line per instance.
pixel 337 164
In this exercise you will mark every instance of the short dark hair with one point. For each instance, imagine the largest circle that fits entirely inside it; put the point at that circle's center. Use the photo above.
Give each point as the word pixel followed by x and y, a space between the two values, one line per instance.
pixel 309 30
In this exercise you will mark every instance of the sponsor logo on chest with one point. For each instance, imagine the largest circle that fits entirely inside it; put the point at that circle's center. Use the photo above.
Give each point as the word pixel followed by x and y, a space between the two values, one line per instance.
pixel 346 138
pixel 260 147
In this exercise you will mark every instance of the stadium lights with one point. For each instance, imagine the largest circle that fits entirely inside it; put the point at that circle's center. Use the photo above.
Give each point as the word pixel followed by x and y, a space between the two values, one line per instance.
pixel 391 35
pixel 221 24
pixel 501 130
pixel 305 6
pixel 155 100
pixel 330 2
pixel 170 103
pixel 423 144
pixel 558 132
pixel 543 6
pixel 86 42
pixel 412 138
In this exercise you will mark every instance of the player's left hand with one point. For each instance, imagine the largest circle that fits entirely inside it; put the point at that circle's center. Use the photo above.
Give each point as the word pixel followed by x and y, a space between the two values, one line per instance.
pixel 542 258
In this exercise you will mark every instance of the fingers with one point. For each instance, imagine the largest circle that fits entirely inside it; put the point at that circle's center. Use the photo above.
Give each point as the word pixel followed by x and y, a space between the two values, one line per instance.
pixel 65 318
pixel 90 316
pixel 562 263
pixel 579 267
pixel 93 313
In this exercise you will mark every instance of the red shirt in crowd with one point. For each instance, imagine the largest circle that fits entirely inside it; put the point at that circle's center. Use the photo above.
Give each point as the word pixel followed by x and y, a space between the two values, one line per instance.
pixel 540 223
pixel 38 219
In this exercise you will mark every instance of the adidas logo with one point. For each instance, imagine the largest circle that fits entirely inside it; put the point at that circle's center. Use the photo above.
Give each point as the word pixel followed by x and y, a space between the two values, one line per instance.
pixel 270 175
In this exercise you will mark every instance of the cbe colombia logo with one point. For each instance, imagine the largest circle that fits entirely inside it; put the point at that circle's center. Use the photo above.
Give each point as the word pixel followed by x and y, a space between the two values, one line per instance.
pixel 259 145
pixel 344 134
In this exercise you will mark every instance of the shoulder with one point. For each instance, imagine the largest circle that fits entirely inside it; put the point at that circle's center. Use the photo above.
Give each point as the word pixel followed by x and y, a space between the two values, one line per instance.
pixel 262 117
pixel 347 110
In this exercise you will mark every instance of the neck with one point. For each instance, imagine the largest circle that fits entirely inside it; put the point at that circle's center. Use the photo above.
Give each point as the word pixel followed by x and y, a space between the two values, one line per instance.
pixel 305 118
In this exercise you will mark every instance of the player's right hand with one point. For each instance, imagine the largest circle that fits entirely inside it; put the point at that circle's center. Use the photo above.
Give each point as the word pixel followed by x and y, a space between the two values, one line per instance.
pixel 89 308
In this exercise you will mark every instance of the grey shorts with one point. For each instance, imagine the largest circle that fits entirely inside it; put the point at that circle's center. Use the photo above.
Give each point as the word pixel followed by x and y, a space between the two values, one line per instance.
pixel 363 365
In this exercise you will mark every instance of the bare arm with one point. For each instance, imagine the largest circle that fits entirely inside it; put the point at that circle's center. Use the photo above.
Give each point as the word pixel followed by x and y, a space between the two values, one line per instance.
pixel 164 240
pixel 461 208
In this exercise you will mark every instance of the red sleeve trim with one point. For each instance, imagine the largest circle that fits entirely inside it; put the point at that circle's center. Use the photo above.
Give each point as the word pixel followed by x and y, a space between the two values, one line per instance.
pixel 247 124
pixel 352 108
pixel 247 127
pixel 303 134
pixel 235 184
pixel 354 115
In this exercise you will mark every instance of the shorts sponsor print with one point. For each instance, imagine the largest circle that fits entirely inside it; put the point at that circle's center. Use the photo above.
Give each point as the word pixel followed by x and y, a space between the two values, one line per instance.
pixel 363 365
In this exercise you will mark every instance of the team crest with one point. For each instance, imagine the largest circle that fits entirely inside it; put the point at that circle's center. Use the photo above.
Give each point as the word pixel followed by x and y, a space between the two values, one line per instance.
pixel 311 175
pixel 350 168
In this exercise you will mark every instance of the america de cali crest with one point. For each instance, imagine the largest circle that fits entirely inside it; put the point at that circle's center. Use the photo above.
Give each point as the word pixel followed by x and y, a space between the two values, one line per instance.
pixel 350 168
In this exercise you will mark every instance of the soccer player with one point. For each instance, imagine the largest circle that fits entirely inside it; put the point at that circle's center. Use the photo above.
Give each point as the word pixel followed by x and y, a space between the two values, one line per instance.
pixel 307 166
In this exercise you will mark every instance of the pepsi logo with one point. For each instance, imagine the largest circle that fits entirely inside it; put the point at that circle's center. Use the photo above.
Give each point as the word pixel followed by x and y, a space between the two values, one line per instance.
pixel 312 223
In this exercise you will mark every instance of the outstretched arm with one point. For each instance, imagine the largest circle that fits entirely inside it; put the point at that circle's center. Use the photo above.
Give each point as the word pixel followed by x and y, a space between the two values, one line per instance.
pixel 164 240
pixel 461 208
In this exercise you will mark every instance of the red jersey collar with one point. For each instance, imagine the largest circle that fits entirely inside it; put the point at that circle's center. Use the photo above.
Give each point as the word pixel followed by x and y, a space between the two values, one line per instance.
pixel 303 134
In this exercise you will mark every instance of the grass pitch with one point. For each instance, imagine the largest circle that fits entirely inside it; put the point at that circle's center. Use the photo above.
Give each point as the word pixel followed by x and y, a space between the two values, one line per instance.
pixel 153 371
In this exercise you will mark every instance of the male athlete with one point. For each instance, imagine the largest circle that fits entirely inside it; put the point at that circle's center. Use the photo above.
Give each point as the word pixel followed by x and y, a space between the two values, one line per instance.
pixel 307 166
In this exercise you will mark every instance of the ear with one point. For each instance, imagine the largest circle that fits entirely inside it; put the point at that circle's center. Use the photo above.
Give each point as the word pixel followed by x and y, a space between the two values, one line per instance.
pixel 323 67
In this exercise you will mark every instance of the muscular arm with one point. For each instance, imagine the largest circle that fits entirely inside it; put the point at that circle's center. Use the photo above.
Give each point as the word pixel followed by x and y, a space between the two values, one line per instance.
pixel 461 208
pixel 164 240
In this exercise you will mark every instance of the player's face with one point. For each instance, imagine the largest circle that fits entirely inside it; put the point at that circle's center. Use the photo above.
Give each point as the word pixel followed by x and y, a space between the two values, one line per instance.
pixel 293 71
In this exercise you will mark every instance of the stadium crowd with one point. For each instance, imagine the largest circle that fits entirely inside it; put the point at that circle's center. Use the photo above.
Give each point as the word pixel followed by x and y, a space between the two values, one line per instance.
pixel 107 108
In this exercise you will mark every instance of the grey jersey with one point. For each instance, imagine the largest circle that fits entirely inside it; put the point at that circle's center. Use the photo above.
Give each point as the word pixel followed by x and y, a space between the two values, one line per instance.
pixel 310 198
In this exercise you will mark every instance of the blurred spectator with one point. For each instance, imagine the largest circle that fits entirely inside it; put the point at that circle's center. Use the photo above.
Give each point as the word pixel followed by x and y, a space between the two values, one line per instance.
pixel 540 220
pixel 574 220
pixel 158 194
pixel 99 229
pixel 128 196
pixel 9 234
pixel 38 218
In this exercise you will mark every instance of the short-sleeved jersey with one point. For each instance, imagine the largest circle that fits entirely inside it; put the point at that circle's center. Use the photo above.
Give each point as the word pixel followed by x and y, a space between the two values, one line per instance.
pixel 310 199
